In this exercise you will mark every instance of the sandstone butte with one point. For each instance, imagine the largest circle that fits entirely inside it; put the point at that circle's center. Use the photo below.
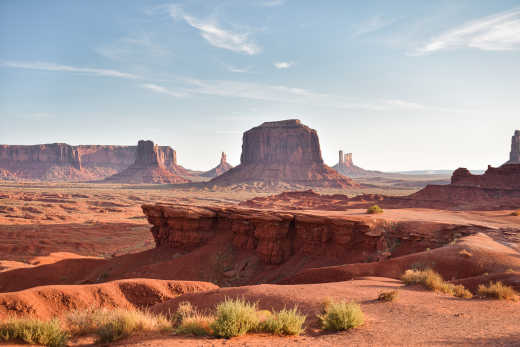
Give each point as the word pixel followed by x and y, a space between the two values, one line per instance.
pixel 346 166
pixel 63 162
pixel 284 151
pixel 222 167
pixel 150 166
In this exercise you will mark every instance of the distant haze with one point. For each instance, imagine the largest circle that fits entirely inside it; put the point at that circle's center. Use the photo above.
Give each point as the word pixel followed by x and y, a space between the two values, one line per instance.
pixel 403 85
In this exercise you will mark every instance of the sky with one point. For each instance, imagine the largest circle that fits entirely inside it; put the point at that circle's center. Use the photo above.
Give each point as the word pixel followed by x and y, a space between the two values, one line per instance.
pixel 403 85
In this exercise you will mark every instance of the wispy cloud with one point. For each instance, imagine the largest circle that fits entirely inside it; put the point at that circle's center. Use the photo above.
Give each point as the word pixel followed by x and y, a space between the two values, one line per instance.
pixel 499 32
pixel 238 69
pixel 215 35
pixel 283 64
pixel 374 24
pixel 66 68
pixel 162 90
pixel 272 3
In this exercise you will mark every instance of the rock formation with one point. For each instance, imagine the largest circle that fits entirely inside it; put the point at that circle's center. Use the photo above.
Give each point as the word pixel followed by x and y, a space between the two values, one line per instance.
pixel 285 151
pixel 345 166
pixel 514 155
pixel 149 166
pixel 219 169
pixel 506 176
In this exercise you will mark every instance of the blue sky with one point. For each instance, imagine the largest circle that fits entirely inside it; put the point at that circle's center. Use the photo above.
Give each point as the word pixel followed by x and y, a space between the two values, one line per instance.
pixel 402 84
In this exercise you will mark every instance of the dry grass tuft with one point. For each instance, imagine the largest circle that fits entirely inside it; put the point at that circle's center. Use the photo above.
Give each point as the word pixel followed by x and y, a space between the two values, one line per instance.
pixel 498 291
pixel 341 315
pixel 284 322
pixel 374 209
pixel 234 317
pixel 433 281
pixel 33 331
pixel 388 296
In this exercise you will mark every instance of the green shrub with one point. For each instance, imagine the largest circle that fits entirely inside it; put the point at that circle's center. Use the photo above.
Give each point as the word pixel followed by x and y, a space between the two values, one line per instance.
pixel 234 317
pixel 184 310
pixel 33 331
pixel 374 209
pixel 498 291
pixel 341 316
pixel 112 325
pixel 433 281
pixel 388 296
pixel 197 325
pixel 284 322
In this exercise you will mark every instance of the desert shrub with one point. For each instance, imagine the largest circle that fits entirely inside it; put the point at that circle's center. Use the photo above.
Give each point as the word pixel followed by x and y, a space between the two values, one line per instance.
pixel 516 213
pixel 112 325
pixel 284 322
pixel 341 315
pixel 465 253
pixel 234 317
pixel 498 291
pixel 388 296
pixel 33 331
pixel 374 209
pixel 433 281
pixel 184 310
pixel 196 324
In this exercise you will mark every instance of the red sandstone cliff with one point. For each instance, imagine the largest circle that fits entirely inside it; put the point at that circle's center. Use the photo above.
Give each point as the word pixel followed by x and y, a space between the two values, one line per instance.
pixel 149 166
pixel 506 176
pixel 285 151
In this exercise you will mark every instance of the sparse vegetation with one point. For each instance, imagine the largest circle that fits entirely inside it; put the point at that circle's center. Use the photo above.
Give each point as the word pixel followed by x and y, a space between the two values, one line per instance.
pixel 33 331
pixel 341 315
pixel 434 281
pixel 284 322
pixel 234 317
pixel 515 213
pixel 112 325
pixel 198 325
pixel 498 291
pixel 388 296
pixel 374 209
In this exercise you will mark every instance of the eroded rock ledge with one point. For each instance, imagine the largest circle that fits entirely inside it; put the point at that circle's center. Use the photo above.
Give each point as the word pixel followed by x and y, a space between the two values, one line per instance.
pixel 277 235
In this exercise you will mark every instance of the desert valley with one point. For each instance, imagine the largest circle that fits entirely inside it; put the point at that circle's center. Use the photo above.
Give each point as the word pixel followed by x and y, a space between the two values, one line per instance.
pixel 80 231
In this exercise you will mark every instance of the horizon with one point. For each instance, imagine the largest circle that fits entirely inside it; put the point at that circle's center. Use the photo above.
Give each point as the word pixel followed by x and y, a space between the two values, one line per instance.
pixel 404 86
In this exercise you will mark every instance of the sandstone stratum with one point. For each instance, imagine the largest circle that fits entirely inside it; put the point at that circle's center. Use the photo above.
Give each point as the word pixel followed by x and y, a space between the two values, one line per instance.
pixel 284 151
pixel 150 166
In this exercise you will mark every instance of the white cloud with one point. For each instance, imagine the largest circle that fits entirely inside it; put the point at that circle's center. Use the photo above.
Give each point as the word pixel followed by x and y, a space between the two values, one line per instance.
pixel 283 64
pixel 217 36
pixel 66 68
pixel 238 69
pixel 159 89
pixel 498 32
pixel 374 24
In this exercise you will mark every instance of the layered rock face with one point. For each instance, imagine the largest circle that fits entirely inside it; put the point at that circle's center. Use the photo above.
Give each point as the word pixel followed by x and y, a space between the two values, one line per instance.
pixel 273 236
pixel 37 161
pixel 219 169
pixel 506 176
pixel 149 166
pixel 345 166
pixel 514 155
pixel 285 151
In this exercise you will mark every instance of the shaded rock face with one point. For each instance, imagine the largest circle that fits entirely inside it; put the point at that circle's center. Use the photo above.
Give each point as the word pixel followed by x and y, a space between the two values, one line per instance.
pixel 506 176
pixel 514 155
pixel 273 236
pixel 219 169
pixel 149 166
pixel 284 151
pixel 345 166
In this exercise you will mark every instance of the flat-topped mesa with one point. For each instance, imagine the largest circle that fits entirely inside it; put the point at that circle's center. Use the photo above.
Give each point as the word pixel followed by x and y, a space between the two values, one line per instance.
pixel 514 155
pixel 284 151
pixel 506 176
pixel 150 166
pixel 224 166
pixel 54 153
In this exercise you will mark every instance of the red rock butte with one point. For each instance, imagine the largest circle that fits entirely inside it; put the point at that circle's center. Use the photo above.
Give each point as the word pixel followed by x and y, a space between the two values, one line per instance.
pixel 284 151
pixel 346 166
pixel 151 165
pixel 219 169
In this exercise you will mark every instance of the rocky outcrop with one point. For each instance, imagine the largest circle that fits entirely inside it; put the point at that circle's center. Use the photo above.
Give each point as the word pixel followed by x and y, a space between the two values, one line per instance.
pixel 273 236
pixel 149 166
pixel 219 169
pixel 345 166
pixel 514 155
pixel 285 151
pixel 506 176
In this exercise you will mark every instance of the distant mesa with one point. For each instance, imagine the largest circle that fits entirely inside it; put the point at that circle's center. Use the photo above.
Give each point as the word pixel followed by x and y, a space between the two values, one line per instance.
pixel 219 169
pixel 284 151
pixel 345 166
pixel 152 164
